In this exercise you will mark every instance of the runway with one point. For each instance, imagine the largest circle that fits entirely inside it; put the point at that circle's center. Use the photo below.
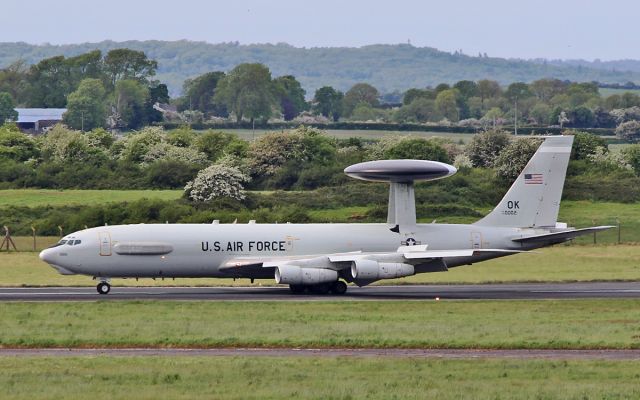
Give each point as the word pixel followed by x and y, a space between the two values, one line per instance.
pixel 516 354
pixel 407 292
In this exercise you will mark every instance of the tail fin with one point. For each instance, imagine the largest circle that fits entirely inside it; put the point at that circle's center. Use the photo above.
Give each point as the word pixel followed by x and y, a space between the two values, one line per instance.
pixel 534 198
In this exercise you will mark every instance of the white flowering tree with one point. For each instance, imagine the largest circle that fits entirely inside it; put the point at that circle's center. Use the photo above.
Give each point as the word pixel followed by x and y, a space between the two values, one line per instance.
pixel 629 130
pixel 218 180
pixel 485 147
pixel 514 157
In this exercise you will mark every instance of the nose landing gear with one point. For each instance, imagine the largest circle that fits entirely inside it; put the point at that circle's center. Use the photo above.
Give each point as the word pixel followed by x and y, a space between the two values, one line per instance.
pixel 103 287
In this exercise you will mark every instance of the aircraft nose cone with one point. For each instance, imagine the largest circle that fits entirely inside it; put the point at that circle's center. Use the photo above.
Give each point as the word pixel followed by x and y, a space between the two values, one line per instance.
pixel 46 255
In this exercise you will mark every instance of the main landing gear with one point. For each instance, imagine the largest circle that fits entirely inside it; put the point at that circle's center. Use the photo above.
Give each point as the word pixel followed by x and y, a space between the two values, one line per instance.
pixel 103 287
pixel 337 287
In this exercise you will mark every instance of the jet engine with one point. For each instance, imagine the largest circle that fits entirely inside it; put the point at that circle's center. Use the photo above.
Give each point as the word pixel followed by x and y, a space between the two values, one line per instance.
pixel 369 270
pixel 294 275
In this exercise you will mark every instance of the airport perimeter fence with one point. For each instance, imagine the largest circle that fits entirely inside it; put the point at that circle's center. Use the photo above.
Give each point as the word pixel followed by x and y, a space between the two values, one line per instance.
pixel 627 232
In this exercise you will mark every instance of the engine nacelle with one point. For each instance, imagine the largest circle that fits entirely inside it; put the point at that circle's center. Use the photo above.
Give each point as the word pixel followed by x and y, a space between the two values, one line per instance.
pixel 366 270
pixel 294 275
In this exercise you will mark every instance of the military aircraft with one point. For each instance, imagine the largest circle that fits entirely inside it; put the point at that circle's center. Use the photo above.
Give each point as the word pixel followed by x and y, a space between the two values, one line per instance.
pixel 322 258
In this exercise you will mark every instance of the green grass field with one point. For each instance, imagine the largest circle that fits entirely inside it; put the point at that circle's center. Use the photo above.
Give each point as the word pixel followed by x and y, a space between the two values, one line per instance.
pixel 44 197
pixel 552 324
pixel 557 264
pixel 606 92
pixel 313 378
pixel 248 134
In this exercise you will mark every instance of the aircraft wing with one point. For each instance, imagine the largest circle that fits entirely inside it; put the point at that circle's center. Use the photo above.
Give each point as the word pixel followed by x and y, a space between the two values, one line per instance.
pixel 561 236
pixel 340 261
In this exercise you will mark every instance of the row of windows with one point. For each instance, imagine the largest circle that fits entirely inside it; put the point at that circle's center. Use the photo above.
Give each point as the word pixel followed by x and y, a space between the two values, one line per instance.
pixel 70 242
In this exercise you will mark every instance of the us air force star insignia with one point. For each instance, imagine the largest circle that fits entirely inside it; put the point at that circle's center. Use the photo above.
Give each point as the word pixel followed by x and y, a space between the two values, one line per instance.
pixel 410 242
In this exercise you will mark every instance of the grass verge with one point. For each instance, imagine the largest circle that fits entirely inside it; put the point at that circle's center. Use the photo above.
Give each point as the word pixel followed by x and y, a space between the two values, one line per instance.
pixel 314 378
pixel 73 197
pixel 569 324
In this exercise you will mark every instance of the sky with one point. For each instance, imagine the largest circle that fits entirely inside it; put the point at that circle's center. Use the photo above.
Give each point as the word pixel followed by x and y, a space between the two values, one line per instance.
pixel 553 29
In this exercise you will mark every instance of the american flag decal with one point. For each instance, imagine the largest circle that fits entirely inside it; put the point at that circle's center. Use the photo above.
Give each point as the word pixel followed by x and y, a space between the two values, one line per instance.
pixel 533 179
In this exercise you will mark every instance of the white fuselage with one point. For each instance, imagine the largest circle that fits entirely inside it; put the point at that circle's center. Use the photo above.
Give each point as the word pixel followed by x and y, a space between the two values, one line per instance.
pixel 200 250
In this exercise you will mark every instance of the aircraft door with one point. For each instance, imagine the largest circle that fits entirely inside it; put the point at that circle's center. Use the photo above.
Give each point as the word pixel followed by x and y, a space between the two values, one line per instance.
pixel 105 243
pixel 476 240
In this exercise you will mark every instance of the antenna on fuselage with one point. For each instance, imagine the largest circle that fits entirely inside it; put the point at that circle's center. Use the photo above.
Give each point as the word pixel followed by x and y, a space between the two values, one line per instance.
pixel 401 175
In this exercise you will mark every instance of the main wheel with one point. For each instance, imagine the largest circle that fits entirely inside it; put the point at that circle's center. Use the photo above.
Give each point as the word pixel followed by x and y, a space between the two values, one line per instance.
pixel 103 288
pixel 297 289
pixel 339 287
pixel 321 288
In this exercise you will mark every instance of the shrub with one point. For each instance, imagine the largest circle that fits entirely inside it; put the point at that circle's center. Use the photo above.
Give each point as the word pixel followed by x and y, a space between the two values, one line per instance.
pixel 218 180
pixel 485 147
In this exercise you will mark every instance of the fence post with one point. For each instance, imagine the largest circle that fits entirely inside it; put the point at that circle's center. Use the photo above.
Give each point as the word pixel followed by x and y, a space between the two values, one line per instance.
pixel 619 233
pixel 7 240
pixel 594 232
pixel 60 230
pixel 33 231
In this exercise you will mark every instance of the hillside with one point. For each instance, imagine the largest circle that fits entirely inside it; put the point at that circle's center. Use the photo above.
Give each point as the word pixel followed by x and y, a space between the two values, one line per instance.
pixel 388 67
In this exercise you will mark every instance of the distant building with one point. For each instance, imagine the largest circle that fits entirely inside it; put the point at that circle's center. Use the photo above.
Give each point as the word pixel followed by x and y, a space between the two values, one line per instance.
pixel 35 120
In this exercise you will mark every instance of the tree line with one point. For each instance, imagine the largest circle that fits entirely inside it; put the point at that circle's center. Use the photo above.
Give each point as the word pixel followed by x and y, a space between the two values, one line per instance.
pixel 390 68
pixel 117 91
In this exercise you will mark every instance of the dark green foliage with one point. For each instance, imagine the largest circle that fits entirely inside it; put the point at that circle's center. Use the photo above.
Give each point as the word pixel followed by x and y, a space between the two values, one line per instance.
pixel 198 94
pixel 170 174
pixel 128 64
pixel 417 149
pixel 329 102
pixel 291 96
pixel 581 117
pixel 15 145
pixel 586 144
pixel 7 112
pixel 247 91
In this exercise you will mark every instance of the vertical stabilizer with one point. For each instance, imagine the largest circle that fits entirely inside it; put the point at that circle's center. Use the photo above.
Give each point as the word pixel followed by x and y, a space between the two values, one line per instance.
pixel 402 205
pixel 534 198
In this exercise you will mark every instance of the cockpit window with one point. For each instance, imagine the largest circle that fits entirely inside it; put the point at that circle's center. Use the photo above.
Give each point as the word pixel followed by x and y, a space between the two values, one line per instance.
pixel 60 243
pixel 77 242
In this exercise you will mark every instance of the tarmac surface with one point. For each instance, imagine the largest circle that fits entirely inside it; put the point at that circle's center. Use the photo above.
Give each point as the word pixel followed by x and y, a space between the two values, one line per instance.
pixel 408 292
pixel 300 352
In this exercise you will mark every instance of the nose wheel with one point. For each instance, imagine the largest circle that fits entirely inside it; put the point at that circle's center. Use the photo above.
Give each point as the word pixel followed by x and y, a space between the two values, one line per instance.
pixel 103 288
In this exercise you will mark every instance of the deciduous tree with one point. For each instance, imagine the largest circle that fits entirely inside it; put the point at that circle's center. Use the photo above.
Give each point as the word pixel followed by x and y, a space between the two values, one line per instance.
pixel 86 106
pixel 447 105
pixel 127 64
pixel 360 93
pixel 247 91
pixel 328 102
pixel 291 96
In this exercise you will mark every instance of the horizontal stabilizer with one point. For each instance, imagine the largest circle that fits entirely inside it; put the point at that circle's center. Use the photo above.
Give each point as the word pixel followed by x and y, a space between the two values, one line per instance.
pixel 561 236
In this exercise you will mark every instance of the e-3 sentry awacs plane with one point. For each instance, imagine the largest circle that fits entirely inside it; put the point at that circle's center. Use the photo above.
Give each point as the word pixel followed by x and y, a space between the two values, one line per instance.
pixel 322 257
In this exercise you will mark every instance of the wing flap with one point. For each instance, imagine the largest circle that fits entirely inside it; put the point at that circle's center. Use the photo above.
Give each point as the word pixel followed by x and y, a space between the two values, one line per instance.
pixel 433 254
